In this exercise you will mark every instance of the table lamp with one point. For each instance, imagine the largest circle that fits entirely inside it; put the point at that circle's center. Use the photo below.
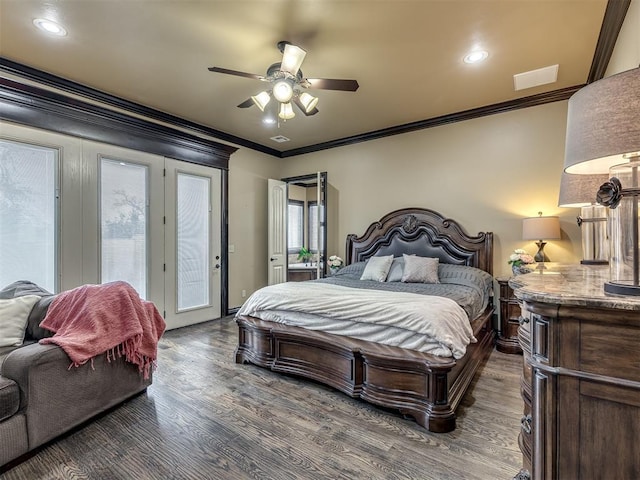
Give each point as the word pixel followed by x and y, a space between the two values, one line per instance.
pixel 579 191
pixel 603 136
pixel 540 228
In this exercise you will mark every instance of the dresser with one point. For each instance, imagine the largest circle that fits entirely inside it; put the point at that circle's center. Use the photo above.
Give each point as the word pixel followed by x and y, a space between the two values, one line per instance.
pixel 581 376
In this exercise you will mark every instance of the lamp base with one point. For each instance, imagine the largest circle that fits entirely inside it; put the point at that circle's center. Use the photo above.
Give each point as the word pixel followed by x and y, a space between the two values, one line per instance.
pixel 621 288
pixel 539 257
pixel 594 262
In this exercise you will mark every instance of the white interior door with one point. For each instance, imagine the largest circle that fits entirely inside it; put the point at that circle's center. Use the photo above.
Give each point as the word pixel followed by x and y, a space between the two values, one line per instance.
pixel 192 243
pixel 277 242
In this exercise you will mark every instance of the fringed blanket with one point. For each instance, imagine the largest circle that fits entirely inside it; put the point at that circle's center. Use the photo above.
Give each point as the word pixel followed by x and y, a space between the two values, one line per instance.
pixel 112 318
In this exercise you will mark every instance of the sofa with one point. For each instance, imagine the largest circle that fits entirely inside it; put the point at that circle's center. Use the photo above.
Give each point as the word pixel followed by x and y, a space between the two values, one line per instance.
pixel 41 394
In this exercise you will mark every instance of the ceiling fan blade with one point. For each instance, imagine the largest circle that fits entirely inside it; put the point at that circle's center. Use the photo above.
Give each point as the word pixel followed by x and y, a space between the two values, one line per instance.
pixel 247 103
pixel 236 73
pixel 333 84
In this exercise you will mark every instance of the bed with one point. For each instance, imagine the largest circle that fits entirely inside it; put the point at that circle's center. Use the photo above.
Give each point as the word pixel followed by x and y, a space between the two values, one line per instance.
pixel 425 386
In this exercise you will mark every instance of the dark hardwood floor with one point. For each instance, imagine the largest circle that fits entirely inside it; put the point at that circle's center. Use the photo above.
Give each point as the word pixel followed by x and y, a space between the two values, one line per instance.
pixel 206 417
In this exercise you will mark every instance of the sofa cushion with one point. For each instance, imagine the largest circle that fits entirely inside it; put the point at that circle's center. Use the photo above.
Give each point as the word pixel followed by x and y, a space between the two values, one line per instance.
pixel 14 313
pixel 9 398
pixel 39 310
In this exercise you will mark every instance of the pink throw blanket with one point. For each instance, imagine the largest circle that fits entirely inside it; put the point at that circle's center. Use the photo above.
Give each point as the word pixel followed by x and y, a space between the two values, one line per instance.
pixel 112 318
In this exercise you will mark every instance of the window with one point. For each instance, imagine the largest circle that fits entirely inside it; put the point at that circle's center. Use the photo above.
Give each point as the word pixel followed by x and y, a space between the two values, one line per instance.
pixel 314 225
pixel 295 226
pixel 28 214
pixel 124 221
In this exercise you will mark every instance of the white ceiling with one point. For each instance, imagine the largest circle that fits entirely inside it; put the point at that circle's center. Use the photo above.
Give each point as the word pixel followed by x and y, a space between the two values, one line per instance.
pixel 405 54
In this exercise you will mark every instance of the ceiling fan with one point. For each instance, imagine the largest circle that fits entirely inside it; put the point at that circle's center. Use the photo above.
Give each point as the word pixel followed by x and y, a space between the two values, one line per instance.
pixel 286 81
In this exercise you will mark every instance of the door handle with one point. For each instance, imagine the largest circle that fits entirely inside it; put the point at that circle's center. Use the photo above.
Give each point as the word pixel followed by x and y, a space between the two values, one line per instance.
pixel 217 265
pixel 273 259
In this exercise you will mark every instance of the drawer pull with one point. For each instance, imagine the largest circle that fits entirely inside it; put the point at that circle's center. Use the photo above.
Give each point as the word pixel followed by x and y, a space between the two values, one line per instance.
pixel 522 320
pixel 525 424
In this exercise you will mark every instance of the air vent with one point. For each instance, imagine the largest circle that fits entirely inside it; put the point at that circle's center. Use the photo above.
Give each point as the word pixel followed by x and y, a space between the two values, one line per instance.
pixel 280 139
pixel 535 78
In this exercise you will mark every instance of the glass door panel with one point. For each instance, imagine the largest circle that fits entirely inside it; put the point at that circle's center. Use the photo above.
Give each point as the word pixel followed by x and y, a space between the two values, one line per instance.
pixel 124 207
pixel 193 240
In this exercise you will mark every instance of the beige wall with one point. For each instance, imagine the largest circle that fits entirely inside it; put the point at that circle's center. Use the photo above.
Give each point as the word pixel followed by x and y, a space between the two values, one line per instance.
pixel 487 173
pixel 248 174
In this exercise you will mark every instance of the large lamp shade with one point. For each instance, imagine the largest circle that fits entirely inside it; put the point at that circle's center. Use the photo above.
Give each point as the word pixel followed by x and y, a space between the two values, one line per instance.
pixel 603 124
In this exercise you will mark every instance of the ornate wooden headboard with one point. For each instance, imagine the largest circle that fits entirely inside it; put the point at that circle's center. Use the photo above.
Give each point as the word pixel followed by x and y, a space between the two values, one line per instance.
pixel 422 232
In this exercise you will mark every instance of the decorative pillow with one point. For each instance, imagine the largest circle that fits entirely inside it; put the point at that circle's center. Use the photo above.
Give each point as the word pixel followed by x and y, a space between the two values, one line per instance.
pixel 39 310
pixel 14 313
pixel 377 268
pixel 420 269
pixel 396 270
pixel 355 269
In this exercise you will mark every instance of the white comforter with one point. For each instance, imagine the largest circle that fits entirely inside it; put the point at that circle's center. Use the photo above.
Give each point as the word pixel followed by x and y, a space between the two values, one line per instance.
pixel 431 324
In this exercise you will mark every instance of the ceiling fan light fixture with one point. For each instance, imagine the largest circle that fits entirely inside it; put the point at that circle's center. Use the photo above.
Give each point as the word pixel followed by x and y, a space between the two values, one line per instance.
pixel 261 100
pixel 286 111
pixel 283 91
pixel 308 101
pixel 292 58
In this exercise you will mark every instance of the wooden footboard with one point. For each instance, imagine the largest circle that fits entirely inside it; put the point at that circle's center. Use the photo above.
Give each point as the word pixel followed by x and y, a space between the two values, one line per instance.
pixel 427 387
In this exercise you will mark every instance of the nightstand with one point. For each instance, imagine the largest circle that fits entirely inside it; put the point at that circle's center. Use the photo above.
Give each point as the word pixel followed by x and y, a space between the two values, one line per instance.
pixel 510 313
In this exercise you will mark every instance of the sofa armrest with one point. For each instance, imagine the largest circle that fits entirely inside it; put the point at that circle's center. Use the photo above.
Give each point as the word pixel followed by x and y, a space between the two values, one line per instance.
pixel 18 364
pixel 56 396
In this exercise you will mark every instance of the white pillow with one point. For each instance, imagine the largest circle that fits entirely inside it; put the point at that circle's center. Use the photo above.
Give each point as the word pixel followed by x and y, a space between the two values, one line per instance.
pixel 420 269
pixel 377 268
pixel 14 313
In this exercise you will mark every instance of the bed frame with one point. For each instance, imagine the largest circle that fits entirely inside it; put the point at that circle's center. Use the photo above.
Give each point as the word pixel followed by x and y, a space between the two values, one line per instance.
pixel 421 385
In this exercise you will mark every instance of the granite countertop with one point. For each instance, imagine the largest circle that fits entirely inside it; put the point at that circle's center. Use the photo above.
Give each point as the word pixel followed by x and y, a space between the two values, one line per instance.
pixel 570 284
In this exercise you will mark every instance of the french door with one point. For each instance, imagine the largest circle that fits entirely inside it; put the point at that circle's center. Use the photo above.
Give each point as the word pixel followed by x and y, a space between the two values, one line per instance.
pixel 192 243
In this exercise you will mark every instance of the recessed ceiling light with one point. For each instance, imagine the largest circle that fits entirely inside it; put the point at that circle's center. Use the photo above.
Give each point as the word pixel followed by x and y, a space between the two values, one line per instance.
pixel 475 56
pixel 52 28
pixel 280 139
pixel 268 120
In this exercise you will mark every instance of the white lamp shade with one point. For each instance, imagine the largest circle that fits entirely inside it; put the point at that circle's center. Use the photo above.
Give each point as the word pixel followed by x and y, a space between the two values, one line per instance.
pixel 541 228
pixel 292 58
pixel 261 100
pixel 308 101
pixel 579 190
pixel 286 111
pixel 603 124
pixel 282 91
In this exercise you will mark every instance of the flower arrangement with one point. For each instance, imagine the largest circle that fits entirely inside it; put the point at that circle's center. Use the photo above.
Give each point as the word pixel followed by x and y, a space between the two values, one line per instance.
pixel 335 262
pixel 520 257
